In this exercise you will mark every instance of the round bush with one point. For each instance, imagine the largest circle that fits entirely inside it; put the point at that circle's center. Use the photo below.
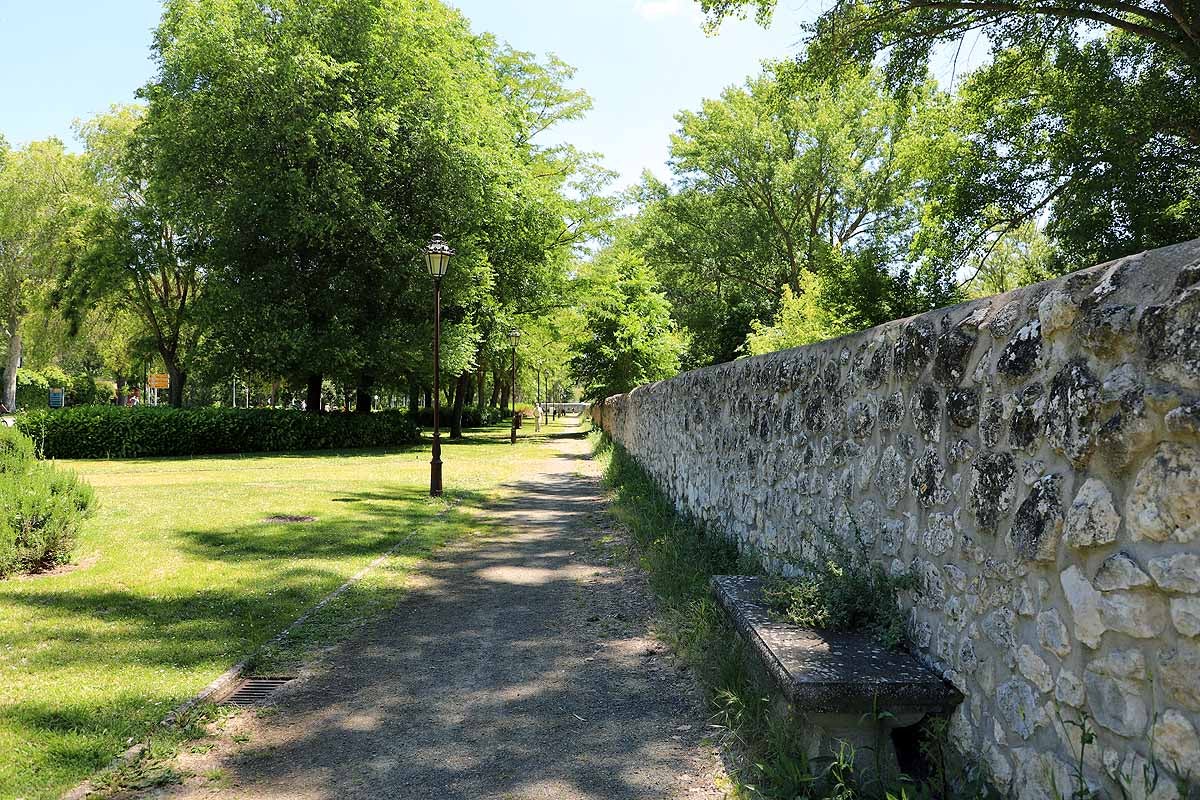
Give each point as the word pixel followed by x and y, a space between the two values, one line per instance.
pixel 41 508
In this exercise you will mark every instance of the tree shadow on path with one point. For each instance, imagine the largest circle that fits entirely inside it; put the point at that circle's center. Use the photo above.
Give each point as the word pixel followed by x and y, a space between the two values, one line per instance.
pixel 520 667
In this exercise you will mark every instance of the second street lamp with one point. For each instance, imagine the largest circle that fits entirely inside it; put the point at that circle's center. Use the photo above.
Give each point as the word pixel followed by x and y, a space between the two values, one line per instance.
pixel 514 336
pixel 437 260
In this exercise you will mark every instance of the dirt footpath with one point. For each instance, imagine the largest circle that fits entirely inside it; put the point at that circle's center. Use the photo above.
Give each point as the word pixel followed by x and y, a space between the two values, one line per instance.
pixel 519 666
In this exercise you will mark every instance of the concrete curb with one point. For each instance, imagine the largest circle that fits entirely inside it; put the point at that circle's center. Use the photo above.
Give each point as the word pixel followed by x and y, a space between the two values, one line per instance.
pixel 229 676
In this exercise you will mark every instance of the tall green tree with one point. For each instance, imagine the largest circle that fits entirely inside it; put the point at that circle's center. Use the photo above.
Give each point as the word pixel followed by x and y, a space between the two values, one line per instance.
pixel 315 145
pixel 1086 122
pixel 1096 143
pixel 40 186
pixel 909 30
pixel 133 252
pixel 780 180
pixel 626 336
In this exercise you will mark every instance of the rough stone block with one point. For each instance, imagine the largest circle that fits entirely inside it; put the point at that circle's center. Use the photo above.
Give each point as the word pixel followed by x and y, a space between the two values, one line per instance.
pixel 1120 571
pixel 1180 746
pixel 1069 689
pixel 1038 524
pixel 1085 604
pixel 1052 633
pixel 1092 520
pixel 992 489
pixel 1185 615
pixel 1115 692
pixel 1179 671
pixel 1177 573
pixel 1141 615
pixel 1020 356
pixel 1162 504
pixel 1072 412
pixel 1034 668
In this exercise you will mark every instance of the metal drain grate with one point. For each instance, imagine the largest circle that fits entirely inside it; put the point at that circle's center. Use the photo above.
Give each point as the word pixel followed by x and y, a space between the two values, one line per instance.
pixel 251 691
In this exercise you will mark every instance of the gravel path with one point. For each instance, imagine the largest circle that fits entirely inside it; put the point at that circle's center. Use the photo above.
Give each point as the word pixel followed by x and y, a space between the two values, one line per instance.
pixel 518 666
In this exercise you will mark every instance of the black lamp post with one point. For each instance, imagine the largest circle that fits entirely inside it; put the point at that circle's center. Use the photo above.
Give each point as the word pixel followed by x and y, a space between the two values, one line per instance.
pixel 514 336
pixel 437 259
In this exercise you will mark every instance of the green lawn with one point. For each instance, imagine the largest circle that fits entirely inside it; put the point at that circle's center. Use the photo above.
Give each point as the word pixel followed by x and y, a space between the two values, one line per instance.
pixel 180 578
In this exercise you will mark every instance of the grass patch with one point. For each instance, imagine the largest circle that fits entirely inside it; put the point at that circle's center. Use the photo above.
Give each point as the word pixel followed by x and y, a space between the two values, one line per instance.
pixel 680 556
pixel 181 577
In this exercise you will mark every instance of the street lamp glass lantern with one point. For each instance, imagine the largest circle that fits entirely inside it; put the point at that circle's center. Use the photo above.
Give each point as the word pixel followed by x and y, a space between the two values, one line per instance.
pixel 514 336
pixel 437 256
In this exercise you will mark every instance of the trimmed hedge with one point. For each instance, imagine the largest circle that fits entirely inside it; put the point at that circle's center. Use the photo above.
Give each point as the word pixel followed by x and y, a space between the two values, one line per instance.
pixel 41 508
pixel 143 431
pixel 471 418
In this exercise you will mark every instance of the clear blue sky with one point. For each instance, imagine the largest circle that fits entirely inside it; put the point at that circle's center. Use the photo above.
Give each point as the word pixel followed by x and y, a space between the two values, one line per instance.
pixel 641 60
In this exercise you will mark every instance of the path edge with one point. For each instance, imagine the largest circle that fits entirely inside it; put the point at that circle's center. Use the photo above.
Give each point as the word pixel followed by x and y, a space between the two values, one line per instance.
pixel 222 681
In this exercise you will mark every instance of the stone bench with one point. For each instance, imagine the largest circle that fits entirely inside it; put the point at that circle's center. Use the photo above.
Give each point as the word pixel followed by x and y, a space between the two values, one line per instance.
pixel 839 687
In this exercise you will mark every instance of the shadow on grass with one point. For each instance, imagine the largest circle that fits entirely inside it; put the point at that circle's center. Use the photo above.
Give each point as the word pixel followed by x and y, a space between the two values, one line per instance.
pixel 478 685
pixel 125 640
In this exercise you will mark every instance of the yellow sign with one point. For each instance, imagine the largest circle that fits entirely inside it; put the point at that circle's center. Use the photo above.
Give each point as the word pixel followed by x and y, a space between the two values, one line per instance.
pixel 159 380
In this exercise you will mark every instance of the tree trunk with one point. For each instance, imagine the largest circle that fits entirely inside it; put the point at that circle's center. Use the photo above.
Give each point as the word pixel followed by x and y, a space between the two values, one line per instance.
pixel 9 396
pixel 177 378
pixel 120 390
pixel 460 394
pixel 428 397
pixel 495 401
pixel 274 393
pixel 504 399
pixel 414 396
pixel 312 395
pixel 480 381
pixel 362 395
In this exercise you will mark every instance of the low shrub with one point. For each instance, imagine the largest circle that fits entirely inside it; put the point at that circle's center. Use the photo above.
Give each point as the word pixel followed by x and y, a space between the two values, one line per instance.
pixel 16 451
pixel 842 588
pixel 41 508
pixel 142 431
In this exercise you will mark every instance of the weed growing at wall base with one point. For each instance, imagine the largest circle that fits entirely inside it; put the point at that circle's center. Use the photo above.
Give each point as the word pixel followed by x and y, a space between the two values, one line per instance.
pixel 841 588
pixel 680 557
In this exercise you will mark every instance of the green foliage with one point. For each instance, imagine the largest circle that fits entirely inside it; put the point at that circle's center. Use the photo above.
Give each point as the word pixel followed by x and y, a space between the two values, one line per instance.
pixel 1085 122
pixel 132 255
pixel 908 31
pixel 33 388
pixel 16 451
pixel 41 508
pixel 1020 257
pixel 824 308
pixel 118 432
pixel 1094 141
pixel 626 336
pixel 840 587
pixel 318 145
pixel 472 417
pixel 782 183
pixel 40 184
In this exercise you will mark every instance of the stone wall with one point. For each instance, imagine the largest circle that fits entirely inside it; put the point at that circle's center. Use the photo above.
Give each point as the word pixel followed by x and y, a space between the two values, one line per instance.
pixel 1034 456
